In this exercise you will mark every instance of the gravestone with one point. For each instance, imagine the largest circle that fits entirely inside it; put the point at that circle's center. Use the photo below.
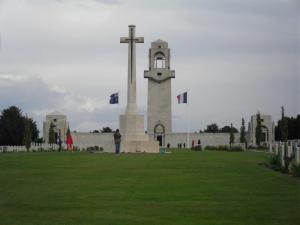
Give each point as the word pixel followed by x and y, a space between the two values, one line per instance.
pixel 297 155
pixel 282 155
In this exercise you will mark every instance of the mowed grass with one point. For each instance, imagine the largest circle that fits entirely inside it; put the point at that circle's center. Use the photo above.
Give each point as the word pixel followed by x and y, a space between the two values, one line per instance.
pixel 184 187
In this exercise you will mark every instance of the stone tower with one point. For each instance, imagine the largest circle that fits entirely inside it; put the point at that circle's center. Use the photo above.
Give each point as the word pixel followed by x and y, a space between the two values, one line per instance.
pixel 60 126
pixel 159 91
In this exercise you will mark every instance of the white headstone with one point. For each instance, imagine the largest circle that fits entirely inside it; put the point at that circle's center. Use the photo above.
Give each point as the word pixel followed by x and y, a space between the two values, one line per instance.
pixel 297 155
pixel 282 155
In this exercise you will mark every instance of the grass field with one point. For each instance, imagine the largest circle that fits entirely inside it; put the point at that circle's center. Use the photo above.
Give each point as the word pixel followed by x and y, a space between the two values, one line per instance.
pixel 184 187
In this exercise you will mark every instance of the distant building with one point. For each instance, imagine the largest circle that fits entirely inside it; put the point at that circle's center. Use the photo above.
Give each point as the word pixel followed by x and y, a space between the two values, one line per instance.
pixel 268 130
pixel 60 126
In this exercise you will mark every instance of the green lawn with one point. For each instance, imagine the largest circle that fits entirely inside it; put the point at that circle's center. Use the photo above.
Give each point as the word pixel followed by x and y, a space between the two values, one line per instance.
pixel 184 187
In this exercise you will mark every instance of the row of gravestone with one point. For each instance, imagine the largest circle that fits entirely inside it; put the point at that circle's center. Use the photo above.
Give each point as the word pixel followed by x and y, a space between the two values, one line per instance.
pixel 34 147
pixel 290 150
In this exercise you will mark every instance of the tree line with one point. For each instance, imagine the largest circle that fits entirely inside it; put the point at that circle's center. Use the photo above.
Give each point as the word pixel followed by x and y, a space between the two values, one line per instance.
pixel 287 128
pixel 16 128
pixel 214 128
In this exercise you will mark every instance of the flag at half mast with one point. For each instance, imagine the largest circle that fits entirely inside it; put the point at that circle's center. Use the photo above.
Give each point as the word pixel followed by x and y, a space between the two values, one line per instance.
pixel 114 98
pixel 182 98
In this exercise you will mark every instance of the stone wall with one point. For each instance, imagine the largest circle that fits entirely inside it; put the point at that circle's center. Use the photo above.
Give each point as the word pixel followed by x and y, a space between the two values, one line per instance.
pixel 205 138
pixel 84 140
pixel 106 140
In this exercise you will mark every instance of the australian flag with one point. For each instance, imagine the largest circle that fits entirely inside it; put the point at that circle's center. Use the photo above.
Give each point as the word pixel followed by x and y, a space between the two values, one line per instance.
pixel 114 98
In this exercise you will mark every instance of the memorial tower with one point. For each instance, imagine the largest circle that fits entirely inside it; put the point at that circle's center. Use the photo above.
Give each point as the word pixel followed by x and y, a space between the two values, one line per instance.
pixel 159 77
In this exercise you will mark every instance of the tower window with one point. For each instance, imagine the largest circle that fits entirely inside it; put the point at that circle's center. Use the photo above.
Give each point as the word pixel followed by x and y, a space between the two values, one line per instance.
pixel 159 60
pixel 158 74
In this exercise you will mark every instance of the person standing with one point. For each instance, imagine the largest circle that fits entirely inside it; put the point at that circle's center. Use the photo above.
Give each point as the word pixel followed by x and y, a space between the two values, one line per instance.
pixel 69 143
pixel 117 139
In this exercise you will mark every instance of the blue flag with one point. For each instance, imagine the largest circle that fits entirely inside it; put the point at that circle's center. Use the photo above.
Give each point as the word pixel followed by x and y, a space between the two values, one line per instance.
pixel 114 98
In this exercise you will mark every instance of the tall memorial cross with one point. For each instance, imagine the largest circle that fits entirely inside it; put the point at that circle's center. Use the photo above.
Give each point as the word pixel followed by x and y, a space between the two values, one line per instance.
pixel 131 91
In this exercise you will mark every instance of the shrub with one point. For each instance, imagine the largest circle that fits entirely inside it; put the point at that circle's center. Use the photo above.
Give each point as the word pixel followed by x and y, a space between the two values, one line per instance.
pixel 223 148
pixel 295 169
pixel 236 149
pixel 211 147
pixel 197 148
pixel 263 147
pixel 94 148
pixel 274 162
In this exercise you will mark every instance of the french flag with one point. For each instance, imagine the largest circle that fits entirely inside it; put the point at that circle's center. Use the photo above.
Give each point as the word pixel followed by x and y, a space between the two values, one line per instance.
pixel 182 98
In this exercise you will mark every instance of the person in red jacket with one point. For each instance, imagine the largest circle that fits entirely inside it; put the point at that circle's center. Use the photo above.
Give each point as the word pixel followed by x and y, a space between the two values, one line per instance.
pixel 70 143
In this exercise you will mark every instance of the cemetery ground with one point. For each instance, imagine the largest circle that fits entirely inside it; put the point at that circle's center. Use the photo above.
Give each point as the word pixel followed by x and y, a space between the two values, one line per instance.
pixel 185 187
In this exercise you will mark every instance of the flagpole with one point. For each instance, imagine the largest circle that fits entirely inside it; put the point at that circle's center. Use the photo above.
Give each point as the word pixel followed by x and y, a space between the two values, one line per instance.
pixel 119 104
pixel 188 121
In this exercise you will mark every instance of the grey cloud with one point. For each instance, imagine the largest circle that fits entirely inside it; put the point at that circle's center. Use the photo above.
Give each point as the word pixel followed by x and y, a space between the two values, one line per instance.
pixel 108 1
pixel 226 53
pixel 27 92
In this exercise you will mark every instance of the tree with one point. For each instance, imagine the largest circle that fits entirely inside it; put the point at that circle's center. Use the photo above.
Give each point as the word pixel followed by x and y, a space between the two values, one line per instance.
pixel 106 130
pixel 11 126
pixel 258 130
pixel 33 129
pixel 68 131
pixel 227 129
pixel 231 136
pixel 293 128
pixel 27 134
pixel 284 136
pixel 96 131
pixel 243 132
pixel 284 126
pixel 51 134
pixel 212 128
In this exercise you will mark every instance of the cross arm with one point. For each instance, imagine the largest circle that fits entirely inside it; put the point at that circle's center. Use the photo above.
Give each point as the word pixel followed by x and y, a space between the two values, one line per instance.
pixel 124 40
pixel 139 39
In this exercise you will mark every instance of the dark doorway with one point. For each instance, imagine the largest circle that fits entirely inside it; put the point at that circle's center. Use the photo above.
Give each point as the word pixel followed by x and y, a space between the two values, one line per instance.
pixel 56 137
pixel 159 139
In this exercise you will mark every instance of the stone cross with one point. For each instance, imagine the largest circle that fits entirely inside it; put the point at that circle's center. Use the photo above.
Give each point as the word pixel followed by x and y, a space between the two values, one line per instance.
pixel 131 88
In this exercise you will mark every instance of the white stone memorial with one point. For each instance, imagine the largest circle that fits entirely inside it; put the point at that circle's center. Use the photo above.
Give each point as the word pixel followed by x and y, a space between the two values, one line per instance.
pixel 132 130
pixel 159 78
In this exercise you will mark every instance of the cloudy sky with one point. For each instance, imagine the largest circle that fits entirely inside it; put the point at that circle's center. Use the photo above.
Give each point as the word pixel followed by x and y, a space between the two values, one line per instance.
pixel 234 57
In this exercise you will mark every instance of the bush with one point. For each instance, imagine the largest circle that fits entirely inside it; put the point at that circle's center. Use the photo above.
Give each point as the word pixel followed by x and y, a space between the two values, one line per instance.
pixel 295 169
pixel 236 149
pixel 94 149
pixel 274 162
pixel 211 147
pixel 223 148
pixel 197 148
pixel 261 147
